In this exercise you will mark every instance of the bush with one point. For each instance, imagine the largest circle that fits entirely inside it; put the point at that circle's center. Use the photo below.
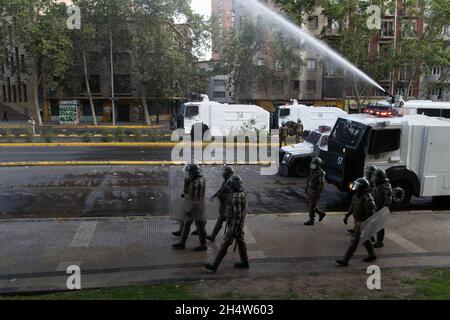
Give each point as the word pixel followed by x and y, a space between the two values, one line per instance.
pixel 87 137
pixel 105 136
pixel 138 135
pixel 48 136
pixel 120 135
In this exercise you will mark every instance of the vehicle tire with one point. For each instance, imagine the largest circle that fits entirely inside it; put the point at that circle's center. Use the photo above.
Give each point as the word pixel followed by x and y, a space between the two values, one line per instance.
pixel 401 194
pixel 301 167
pixel 199 126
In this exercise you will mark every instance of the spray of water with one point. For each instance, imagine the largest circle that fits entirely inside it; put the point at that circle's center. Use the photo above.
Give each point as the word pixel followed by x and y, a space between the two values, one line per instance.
pixel 258 8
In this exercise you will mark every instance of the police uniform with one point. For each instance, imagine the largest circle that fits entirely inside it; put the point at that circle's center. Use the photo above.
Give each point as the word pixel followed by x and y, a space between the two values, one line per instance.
pixel 362 208
pixel 195 189
pixel 298 132
pixel 223 194
pixel 235 228
pixel 383 198
pixel 284 133
pixel 315 185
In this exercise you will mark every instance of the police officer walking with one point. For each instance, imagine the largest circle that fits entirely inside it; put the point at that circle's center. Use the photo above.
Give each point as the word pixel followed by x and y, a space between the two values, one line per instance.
pixel 284 133
pixel 369 176
pixel 314 188
pixel 298 131
pixel 235 226
pixel 222 195
pixel 362 208
pixel 383 198
pixel 194 194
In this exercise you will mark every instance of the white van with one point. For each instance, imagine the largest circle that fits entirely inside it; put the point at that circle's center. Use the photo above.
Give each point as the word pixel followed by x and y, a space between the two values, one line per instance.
pixel 311 117
pixel 223 119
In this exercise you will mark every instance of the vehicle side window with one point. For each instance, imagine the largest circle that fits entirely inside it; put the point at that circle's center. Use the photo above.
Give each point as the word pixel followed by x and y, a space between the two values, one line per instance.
pixel 430 112
pixel 384 140
pixel 285 112
pixel 192 111
pixel 446 113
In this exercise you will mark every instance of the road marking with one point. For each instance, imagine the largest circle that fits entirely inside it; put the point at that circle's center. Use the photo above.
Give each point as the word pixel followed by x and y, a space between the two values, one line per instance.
pixel 404 243
pixel 249 238
pixel 84 234
pixel 256 254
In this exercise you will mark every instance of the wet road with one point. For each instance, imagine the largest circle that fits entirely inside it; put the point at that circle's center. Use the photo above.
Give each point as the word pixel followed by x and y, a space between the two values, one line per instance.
pixel 18 154
pixel 86 191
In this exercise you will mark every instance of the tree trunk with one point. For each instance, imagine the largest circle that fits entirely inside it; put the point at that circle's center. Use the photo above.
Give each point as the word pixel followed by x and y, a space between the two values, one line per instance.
pixel 88 88
pixel 145 106
pixel 36 98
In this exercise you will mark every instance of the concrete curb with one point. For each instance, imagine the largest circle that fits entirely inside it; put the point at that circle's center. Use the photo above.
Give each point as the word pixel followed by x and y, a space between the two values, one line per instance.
pixel 125 144
pixel 119 163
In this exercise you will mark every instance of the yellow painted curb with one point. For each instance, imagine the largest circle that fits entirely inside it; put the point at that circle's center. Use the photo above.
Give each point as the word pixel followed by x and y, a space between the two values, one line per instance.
pixel 125 144
pixel 119 163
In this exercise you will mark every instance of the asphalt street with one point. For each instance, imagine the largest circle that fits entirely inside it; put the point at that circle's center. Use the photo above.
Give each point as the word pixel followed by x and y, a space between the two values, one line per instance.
pixel 104 191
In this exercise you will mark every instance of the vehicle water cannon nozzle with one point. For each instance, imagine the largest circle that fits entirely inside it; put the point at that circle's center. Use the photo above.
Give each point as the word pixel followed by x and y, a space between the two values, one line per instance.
pixel 204 97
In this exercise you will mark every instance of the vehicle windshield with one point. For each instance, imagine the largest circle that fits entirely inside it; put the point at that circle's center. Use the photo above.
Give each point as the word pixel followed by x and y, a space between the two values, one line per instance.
pixel 313 138
pixel 347 133
pixel 192 111
pixel 285 113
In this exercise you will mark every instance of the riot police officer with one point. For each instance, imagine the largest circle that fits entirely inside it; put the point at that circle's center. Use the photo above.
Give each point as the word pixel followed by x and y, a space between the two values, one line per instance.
pixel 284 133
pixel 235 226
pixel 194 194
pixel 298 131
pixel 369 176
pixel 314 188
pixel 362 208
pixel 222 195
pixel 382 194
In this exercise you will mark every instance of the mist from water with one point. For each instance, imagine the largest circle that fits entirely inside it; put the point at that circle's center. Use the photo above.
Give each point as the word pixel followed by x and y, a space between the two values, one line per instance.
pixel 256 8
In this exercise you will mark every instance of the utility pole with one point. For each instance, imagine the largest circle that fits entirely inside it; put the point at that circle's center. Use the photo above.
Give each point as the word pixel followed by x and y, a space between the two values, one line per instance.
pixel 113 104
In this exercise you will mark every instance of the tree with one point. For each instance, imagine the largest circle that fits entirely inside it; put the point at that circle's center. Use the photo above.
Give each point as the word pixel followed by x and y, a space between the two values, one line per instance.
pixel 254 56
pixel 40 26
pixel 164 52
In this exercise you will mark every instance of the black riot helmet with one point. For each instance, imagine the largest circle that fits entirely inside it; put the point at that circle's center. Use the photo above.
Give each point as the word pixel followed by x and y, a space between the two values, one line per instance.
pixel 380 176
pixel 316 163
pixel 370 171
pixel 193 170
pixel 235 183
pixel 228 172
pixel 361 186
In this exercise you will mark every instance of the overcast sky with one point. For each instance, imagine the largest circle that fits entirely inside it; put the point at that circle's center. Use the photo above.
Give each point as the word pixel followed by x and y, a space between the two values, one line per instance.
pixel 202 6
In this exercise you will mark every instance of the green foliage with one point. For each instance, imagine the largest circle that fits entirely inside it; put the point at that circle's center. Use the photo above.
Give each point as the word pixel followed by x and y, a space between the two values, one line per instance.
pixel 106 135
pixel 49 136
pixel 87 137
pixel 137 135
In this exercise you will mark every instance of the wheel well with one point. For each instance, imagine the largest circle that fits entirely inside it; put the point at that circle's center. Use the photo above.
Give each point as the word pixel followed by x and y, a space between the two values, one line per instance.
pixel 405 175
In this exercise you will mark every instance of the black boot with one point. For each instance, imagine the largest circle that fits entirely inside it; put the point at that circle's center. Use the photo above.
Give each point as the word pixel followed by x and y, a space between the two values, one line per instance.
pixel 179 246
pixel 378 245
pixel 322 216
pixel 220 255
pixel 242 265
pixel 372 257
pixel 211 238
pixel 309 223
pixel 194 233
pixel 201 248
pixel 342 262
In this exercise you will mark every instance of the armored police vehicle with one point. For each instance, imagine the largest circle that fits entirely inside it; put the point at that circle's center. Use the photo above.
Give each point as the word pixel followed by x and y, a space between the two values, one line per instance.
pixel 222 119
pixel 414 150
pixel 295 160
pixel 311 117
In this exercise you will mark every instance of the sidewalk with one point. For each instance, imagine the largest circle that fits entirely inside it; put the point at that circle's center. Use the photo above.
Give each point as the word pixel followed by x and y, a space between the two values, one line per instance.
pixel 34 254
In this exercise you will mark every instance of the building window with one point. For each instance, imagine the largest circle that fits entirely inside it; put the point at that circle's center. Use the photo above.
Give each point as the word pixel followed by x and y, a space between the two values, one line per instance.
pixel 219 83
pixel 260 62
pixel 311 86
pixel 409 29
pixel 122 83
pixel 219 94
pixel 436 70
pixel 295 86
pixel 14 93
pixel 279 65
pixel 98 107
pixel 23 64
pixel 312 65
pixel 4 93
pixel 313 22
pixel 387 29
